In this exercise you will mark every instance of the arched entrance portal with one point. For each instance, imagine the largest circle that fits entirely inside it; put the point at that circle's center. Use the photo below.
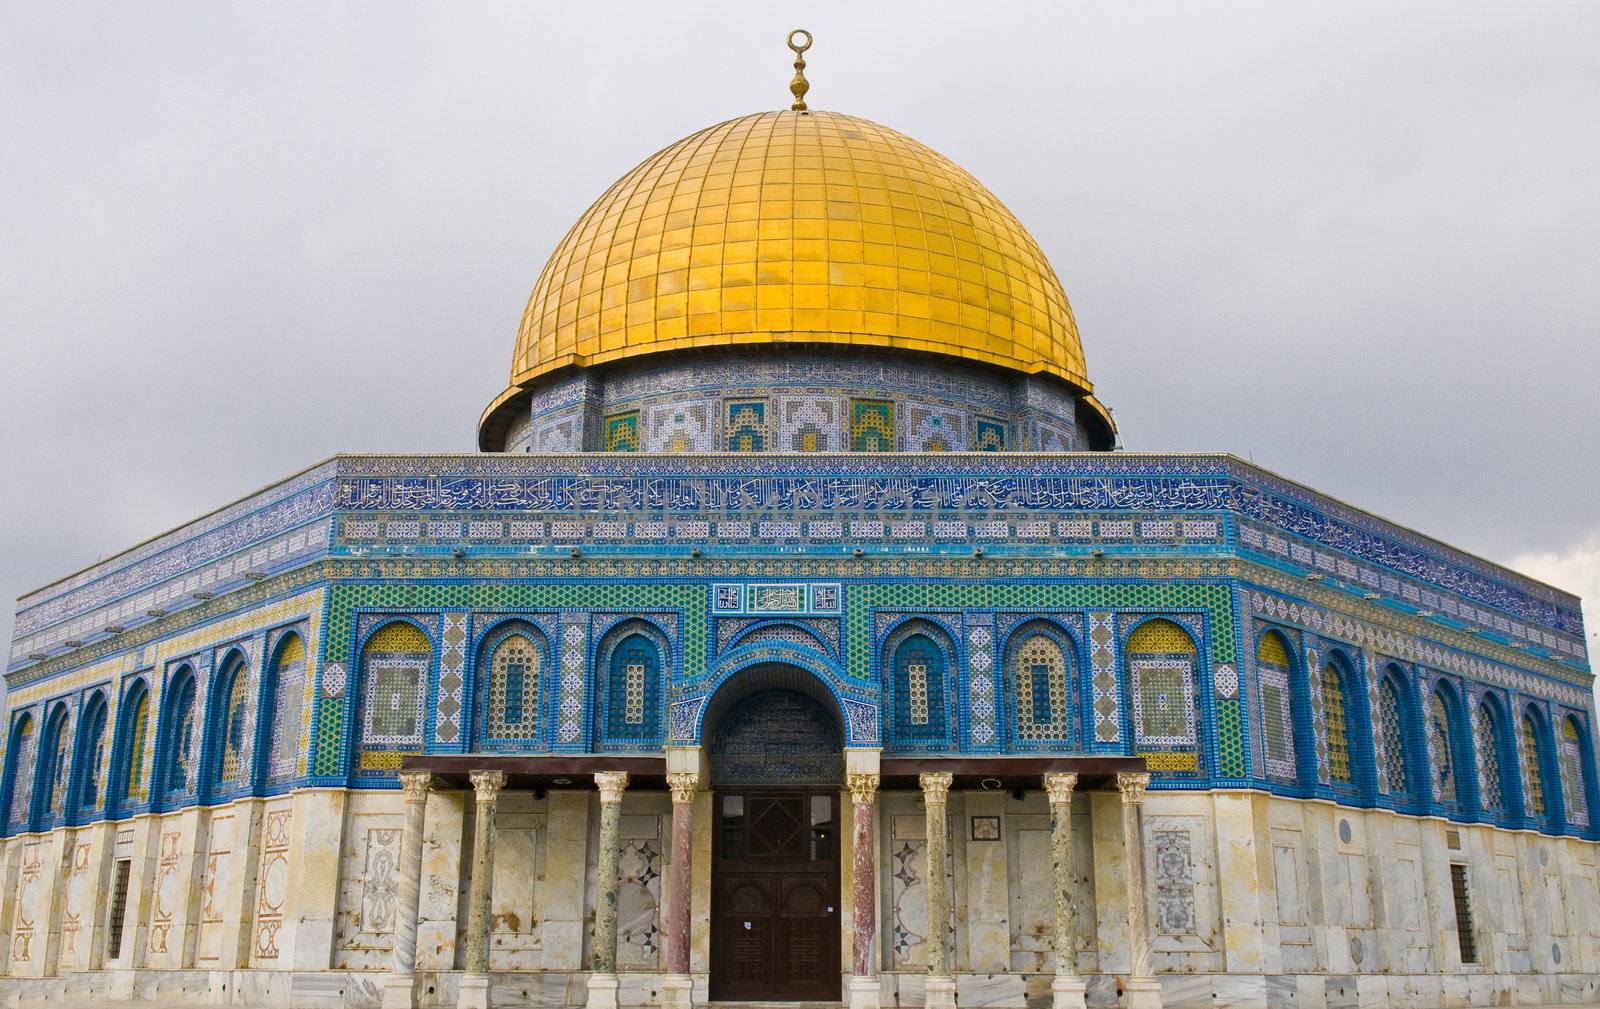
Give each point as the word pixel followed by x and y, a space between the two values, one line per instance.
pixel 777 770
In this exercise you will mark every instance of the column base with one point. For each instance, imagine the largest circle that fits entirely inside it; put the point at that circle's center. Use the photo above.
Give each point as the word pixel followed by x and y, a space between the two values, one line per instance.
pixel 677 992
pixel 399 992
pixel 602 991
pixel 1066 992
pixel 473 992
pixel 865 993
pixel 939 993
pixel 1143 993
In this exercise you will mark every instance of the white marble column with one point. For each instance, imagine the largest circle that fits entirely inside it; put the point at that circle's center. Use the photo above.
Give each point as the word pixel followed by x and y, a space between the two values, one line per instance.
pixel 1067 987
pixel 1143 990
pixel 399 990
pixel 940 987
pixel 603 979
pixel 677 988
pixel 474 993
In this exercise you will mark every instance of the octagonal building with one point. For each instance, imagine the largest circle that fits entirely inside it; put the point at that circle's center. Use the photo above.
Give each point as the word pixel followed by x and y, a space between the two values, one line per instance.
pixel 798 634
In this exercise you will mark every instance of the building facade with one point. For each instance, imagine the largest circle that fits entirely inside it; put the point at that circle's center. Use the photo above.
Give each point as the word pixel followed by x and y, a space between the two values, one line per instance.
pixel 799 634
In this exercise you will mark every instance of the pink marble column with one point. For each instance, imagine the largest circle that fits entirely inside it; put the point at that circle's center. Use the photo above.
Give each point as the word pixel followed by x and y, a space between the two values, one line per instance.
pixel 677 986
pixel 864 993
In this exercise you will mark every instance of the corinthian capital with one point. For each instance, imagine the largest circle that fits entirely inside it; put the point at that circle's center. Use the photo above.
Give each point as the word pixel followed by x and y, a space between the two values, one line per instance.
pixel 863 787
pixel 488 784
pixel 611 784
pixel 683 785
pixel 415 784
pixel 1132 785
pixel 1059 785
pixel 935 785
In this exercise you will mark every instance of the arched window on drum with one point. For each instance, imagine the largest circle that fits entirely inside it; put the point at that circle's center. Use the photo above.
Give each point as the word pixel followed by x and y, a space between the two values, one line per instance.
pixel 1041 674
pixel 1341 712
pixel 1274 672
pixel 394 682
pixel 1574 759
pixel 57 765
pixel 1446 757
pixel 1161 670
pixel 512 663
pixel 130 778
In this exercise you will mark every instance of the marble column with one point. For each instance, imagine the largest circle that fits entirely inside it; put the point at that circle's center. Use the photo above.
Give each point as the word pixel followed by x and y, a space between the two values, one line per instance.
pixel 677 987
pixel 865 991
pixel 1067 987
pixel 603 978
pixel 940 987
pixel 399 990
pixel 1143 990
pixel 475 980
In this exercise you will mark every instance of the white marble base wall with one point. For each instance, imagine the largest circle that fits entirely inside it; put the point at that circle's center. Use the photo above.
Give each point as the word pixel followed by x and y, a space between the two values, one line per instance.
pixel 1255 901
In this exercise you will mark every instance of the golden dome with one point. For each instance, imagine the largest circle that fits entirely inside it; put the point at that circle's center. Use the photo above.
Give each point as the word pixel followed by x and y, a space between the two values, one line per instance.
pixel 798 227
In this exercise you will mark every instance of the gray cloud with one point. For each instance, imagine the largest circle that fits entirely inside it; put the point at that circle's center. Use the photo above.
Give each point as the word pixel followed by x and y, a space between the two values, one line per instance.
pixel 1356 242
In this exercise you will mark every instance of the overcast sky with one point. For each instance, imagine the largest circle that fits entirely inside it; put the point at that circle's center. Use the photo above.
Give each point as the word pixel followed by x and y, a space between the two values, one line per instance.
pixel 1357 243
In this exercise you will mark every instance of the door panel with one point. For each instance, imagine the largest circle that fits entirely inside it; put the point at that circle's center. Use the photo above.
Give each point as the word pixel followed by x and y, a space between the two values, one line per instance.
pixel 775 897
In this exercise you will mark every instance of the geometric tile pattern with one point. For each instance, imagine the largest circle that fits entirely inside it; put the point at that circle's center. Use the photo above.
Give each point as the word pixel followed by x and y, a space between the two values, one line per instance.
pixel 980 684
pixel 1103 674
pixel 452 678
pixel 1486 745
pixel 1391 725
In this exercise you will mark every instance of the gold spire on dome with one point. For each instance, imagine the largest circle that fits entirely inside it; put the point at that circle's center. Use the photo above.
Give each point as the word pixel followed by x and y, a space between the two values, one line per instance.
pixel 799 86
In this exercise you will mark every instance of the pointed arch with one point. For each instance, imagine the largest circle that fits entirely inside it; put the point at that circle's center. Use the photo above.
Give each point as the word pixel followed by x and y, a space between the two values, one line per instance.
pixel 282 712
pixel 1161 660
pixel 1490 745
pixel 916 660
pixel 227 738
pixel 1573 752
pixel 130 784
pixel 1449 766
pixel 1346 728
pixel 55 765
pixel 633 661
pixel 89 756
pixel 513 661
pixel 395 665
pixel 22 745
pixel 1539 802
pixel 1041 673
pixel 1278 690
pixel 1395 729
pixel 177 756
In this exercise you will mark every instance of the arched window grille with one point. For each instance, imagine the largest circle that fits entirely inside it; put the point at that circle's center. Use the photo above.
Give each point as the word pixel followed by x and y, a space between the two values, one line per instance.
pixel 395 666
pixel 633 665
pixel 1273 668
pixel 135 785
pixel 284 709
pixel 1532 772
pixel 182 739
pixel 916 665
pixel 57 749
pixel 1336 726
pixel 231 739
pixel 1041 677
pixel 1570 747
pixel 1445 775
pixel 91 756
pixel 516 667
pixel 1486 747
pixel 24 749
pixel 1393 777
pixel 1161 666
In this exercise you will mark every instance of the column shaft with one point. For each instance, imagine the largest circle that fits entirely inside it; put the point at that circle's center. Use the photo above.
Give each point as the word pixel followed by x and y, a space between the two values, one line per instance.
pixel 398 991
pixel 1142 989
pixel 1067 989
pixel 940 990
pixel 864 872
pixel 474 987
pixel 603 976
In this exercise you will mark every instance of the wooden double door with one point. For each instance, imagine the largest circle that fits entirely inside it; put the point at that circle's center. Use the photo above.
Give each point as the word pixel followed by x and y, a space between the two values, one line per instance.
pixel 775 896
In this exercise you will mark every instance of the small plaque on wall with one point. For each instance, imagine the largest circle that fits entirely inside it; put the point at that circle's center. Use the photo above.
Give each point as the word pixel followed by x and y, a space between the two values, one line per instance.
pixel 986 828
